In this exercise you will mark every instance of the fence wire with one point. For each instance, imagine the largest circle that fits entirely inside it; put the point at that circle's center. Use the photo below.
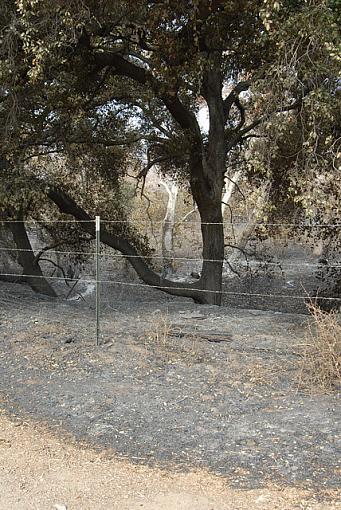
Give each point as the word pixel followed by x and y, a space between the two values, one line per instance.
pixel 171 286
pixel 178 222
pixel 91 279
pixel 160 257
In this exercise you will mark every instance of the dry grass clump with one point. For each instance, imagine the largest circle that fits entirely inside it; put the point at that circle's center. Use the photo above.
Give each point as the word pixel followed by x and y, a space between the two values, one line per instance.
pixel 159 333
pixel 321 356
pixel 169 341
pixel 260 373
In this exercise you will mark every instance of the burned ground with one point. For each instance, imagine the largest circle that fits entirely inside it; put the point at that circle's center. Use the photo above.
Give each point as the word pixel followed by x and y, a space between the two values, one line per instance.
pixel 173 385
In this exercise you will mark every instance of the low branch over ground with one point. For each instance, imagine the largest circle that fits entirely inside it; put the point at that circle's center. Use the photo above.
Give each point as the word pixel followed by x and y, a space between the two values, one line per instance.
pixel 67 205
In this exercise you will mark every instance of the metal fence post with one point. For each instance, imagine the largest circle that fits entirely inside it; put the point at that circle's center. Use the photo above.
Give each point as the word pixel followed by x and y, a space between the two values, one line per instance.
pixel 98 235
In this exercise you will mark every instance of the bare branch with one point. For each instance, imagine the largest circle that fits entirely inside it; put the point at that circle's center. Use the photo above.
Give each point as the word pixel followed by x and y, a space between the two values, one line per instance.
pixel 242 86
pixel 187 215
pixel 45 249
pixel 240 134
pixel 143 174
pixel 236 186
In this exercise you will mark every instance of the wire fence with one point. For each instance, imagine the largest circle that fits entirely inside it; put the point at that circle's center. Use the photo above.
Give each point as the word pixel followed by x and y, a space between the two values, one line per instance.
pixel 186 222
pixel 160 257
pixel 102 275
pixel 91 279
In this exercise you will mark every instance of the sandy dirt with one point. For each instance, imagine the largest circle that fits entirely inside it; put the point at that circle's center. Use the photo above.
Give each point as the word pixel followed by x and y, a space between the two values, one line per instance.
pixel 40 471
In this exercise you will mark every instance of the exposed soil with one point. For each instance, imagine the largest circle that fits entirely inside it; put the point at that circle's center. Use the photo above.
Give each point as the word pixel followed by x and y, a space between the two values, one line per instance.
pixel 40 471
pixel 174 387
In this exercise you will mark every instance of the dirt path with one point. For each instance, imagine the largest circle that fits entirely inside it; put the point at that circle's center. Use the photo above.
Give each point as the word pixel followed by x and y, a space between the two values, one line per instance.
pixel 38 471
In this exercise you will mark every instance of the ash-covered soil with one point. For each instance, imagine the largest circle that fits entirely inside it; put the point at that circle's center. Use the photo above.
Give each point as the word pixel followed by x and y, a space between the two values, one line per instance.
pixel 173 384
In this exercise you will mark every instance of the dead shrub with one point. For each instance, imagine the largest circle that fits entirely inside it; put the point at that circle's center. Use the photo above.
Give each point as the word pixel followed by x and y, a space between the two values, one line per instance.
pixel 321 354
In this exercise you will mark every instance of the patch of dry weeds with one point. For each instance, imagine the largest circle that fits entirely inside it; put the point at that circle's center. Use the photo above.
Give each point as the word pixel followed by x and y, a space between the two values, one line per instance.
pixel 320 363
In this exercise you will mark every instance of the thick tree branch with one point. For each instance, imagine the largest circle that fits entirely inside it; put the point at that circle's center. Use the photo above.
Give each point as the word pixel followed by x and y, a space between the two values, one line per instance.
pixel 68 206
pixel 122 67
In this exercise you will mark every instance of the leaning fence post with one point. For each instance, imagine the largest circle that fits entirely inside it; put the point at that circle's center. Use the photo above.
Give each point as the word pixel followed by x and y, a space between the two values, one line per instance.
pixel 98 234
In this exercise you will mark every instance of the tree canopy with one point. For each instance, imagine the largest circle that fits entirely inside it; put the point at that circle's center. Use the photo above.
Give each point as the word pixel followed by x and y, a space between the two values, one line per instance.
pixel 117 85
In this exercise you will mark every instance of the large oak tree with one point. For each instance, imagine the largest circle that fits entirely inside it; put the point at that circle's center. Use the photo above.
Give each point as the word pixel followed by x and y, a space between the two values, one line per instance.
pixel 140 70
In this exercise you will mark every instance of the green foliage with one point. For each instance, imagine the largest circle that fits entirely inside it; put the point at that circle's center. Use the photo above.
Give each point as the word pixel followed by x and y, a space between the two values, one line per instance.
pixel 91 91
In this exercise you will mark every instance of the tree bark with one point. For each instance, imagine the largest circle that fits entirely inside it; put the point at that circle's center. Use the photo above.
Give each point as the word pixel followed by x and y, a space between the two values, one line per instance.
pixel 229 189
pixel 207 182
pixel 27 260
pixel 168 228
pixel 206 187
pixel 213 253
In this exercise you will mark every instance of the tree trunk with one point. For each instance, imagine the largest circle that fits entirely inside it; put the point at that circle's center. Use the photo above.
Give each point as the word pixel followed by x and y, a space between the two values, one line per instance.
pixel 26 258
pixel 213 253
pixel 168 228
pixel 229 189
pixel 207 182
pixel 207 189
